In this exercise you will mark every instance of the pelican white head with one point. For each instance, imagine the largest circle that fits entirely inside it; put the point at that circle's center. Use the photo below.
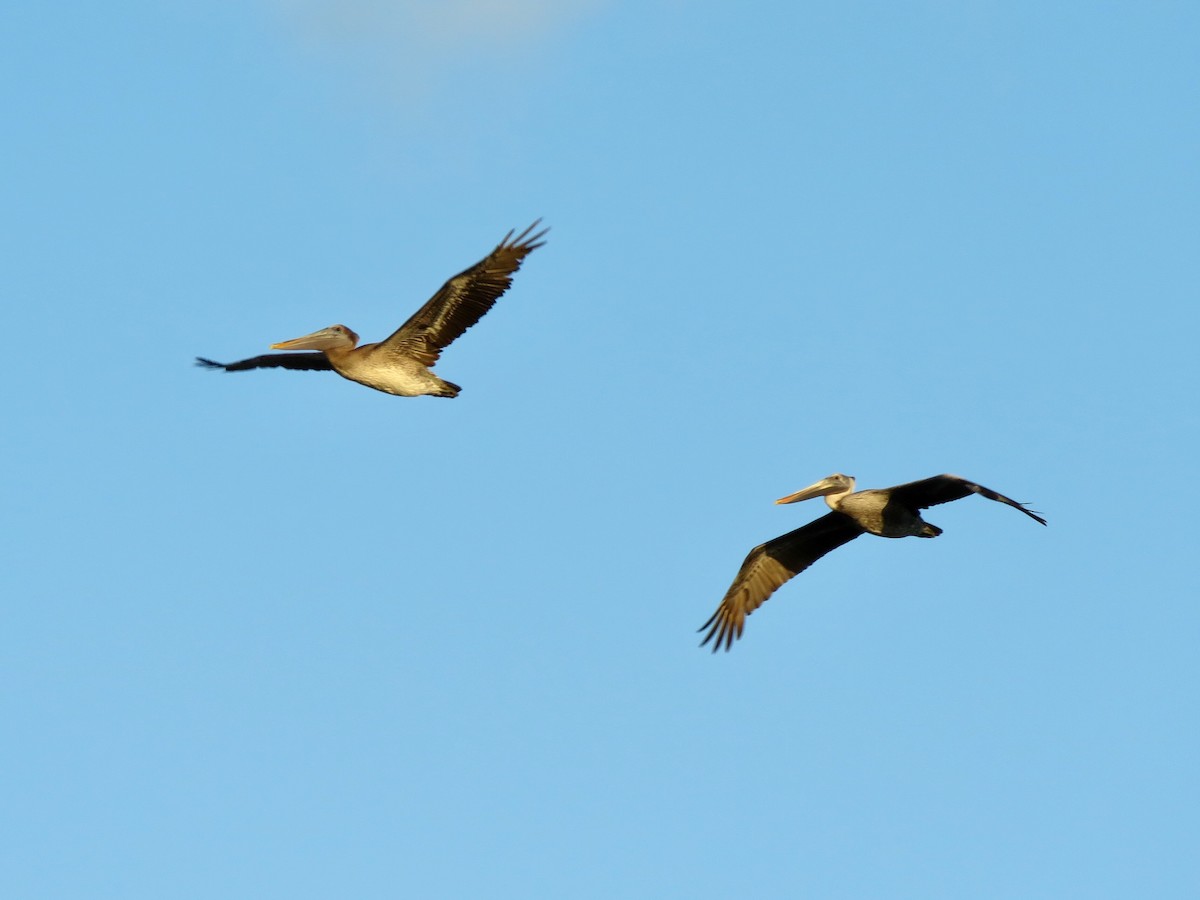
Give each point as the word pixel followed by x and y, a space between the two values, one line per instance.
pixel 836 485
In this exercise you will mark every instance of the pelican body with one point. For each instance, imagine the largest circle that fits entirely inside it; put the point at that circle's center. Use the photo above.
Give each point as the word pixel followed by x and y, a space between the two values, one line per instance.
pixel 402 363
pixel 887 512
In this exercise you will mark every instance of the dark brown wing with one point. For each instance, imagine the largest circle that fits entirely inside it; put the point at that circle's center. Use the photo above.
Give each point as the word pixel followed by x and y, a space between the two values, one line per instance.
pixel 308 361
pixel 463 300
pixel 771 564
pixel 945 488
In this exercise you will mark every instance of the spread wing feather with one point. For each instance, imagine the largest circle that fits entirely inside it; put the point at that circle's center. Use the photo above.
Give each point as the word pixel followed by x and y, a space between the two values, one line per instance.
pixel 945 488
pixel 771 564
pixel 316 362
pixel 463 300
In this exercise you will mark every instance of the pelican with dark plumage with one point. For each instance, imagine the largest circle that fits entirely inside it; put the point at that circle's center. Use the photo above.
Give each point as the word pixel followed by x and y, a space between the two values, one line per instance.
pixel 401 364
pixel 887 512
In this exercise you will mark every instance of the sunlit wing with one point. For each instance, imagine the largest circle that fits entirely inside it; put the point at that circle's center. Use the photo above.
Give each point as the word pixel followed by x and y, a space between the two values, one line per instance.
pixel 945 488
pixel 771 564
pixel 463 300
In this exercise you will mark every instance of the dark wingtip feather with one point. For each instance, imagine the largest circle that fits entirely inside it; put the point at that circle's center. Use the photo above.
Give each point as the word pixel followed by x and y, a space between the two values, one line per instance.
pixel 208 363
pixel 524 240
pixel 718 629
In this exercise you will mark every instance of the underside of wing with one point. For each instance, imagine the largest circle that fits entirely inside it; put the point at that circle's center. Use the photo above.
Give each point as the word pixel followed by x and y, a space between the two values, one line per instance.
pixel 463 300
pixel 314 362
pixel 946 488
pixel 771 564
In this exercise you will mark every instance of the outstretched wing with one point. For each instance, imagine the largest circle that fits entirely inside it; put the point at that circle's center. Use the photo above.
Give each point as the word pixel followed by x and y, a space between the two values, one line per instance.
pixel 463 300
pixel 945 488
pixel 771 564
pixel 307 361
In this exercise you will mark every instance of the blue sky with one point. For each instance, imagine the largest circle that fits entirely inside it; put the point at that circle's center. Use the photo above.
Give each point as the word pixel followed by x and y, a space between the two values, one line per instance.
pixel 277 635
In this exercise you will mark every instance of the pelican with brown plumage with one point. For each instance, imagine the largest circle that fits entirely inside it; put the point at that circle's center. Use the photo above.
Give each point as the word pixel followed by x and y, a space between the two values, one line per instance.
pixel 401 364
pixel 887 512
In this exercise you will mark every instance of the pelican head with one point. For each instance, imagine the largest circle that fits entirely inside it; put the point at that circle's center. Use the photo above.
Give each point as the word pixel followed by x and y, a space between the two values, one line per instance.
pixel 331 338
pixel 832 488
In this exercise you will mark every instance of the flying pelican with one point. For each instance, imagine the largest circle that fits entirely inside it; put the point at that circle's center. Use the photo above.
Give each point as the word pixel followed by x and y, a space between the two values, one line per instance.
pixel 888 512
pixel 401 364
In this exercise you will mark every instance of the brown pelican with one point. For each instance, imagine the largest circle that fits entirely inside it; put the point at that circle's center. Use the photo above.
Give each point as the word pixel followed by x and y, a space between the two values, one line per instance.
pixel 401 364
pixel 888 512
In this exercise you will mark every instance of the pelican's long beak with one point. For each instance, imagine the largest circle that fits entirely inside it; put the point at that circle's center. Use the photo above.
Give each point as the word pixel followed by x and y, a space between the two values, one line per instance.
pixel 318 340
pixel 819 489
